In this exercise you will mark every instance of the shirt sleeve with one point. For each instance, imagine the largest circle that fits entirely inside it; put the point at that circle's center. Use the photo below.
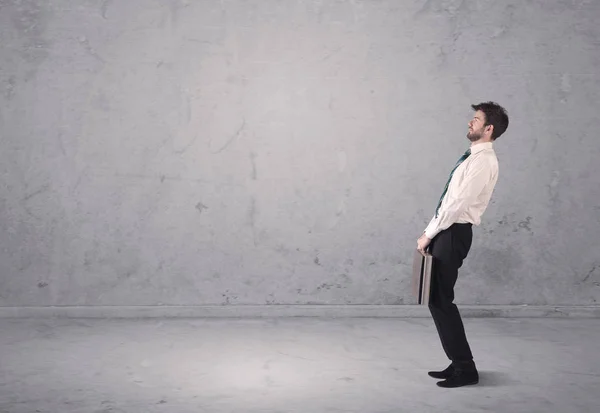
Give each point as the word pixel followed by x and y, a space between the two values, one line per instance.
pixel 459 199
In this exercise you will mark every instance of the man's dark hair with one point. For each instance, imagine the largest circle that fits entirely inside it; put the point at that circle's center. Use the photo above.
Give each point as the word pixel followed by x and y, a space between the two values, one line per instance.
pixel 494 115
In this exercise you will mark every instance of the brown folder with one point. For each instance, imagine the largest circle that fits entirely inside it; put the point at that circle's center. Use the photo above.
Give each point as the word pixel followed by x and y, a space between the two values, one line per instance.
pixel 421 280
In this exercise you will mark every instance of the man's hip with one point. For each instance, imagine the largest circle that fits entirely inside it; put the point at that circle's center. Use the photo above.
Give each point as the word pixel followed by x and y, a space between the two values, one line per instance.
pixel 452 245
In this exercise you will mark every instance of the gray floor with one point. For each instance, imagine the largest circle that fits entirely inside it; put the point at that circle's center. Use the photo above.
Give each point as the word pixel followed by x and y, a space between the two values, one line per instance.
pixel 306 365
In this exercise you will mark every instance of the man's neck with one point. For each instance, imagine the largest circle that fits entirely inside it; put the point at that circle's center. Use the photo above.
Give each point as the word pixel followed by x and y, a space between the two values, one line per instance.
pixel 482 140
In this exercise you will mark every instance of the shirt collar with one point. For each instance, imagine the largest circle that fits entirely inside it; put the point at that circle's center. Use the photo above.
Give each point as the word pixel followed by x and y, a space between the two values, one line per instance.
pixel 481 146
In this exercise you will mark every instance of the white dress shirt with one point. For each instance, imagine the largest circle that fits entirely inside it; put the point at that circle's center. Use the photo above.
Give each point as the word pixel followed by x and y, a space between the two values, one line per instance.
pixel 469 191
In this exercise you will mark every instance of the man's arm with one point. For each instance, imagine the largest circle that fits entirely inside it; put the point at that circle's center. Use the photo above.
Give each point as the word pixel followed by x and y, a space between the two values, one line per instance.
pixel 477 177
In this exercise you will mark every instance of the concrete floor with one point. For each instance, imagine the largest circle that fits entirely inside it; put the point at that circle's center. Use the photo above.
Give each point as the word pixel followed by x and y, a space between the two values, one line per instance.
pixel 306 365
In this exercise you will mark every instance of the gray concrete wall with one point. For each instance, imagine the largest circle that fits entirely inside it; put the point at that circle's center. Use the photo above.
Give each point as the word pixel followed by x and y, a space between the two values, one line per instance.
pixel 290 152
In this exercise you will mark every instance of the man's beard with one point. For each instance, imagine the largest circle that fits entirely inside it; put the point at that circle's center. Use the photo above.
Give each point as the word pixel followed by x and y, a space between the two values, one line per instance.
pixel 474 136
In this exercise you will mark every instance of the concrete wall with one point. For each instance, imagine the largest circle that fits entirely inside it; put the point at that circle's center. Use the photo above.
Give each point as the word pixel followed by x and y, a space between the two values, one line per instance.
pixel 290 152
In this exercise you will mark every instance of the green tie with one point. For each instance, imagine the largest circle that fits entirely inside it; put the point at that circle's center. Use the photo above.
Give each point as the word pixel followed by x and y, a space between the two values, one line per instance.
pixel 462 158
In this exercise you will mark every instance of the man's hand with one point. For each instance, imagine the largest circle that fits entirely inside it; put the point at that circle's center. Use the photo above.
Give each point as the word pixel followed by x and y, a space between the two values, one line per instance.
pixel 423 243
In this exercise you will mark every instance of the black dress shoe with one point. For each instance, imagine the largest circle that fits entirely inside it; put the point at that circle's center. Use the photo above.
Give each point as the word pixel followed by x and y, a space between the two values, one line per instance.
pixel 460 378
pixel 444 374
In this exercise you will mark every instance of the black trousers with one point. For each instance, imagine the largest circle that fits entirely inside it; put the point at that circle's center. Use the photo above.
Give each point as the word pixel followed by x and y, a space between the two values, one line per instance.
pixel 449 248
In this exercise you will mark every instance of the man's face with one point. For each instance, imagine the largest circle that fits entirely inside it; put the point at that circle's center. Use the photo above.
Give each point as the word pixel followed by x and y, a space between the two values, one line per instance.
pixel 476 126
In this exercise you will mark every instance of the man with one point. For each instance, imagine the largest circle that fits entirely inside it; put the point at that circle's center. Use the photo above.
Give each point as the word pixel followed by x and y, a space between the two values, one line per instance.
pixel 449 236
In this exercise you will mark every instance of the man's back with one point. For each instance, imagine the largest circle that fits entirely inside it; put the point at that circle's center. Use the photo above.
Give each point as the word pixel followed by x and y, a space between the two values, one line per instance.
pixel 480 170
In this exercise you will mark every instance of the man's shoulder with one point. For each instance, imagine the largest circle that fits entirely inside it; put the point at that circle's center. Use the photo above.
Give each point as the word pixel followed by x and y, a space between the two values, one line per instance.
pixel 485 161
pixel 489 156
pixel 491 161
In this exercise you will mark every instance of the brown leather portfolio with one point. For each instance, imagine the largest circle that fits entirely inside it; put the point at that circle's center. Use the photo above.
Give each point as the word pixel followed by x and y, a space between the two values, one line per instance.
pixel 421 279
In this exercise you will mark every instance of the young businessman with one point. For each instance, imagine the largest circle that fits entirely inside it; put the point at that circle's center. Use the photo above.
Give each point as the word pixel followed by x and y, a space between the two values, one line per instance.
pixel 449 236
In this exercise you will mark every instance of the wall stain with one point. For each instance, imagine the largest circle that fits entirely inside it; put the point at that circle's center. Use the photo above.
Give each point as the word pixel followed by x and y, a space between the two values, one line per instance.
pixel 253 160
pixel 525 224
pixel 30 19
pixel 10 87
pixel 61 145
pixel 346 379
pixel 228 297
pixel 39 191
pixel 200 207
pixel 89 49
pixel 326 286
pixel 590 273
pixel 271 300
pixel 26 198
pixel 450 8
pixel 252 219
pixel 175 9
pixel 232 138
pixel 345 278
pixel 509 222
pixel 565 87
pixel 187 146
pixel 104 7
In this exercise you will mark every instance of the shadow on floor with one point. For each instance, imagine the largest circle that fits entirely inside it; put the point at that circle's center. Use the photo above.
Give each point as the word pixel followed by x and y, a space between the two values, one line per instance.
pixel 494 379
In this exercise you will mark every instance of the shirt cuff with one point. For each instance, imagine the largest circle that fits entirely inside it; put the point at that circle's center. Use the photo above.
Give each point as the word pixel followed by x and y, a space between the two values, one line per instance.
pixel 432 229
pixel 431 233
